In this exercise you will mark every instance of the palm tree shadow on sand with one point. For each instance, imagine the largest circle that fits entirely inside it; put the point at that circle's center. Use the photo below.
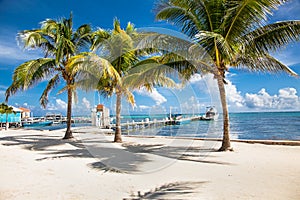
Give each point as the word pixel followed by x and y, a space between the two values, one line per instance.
pixel 177 190
pixel 121 158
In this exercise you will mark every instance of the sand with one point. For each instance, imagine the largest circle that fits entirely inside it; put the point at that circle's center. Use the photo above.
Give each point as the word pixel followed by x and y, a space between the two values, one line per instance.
pixel 39 165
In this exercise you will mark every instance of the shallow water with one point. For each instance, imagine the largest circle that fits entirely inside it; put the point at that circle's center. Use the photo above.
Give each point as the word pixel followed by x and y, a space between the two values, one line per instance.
pixel 260 125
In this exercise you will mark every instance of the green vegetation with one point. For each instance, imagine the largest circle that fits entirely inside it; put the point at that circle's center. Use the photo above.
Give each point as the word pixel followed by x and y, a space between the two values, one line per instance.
pixel 5 109
pixel 116 65
pixel 59 43
pixel 234 34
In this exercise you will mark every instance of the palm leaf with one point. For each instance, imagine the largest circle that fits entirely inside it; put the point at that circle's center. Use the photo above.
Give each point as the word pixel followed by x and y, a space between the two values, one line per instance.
pixel 264 63
pixel 29 73
pixel 51 84
pixel 272 37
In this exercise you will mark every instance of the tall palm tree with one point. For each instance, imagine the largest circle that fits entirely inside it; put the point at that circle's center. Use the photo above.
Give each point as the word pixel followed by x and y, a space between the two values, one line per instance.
pixel 235 34
pixel 115 61
pixel 59 42
pixel 5 109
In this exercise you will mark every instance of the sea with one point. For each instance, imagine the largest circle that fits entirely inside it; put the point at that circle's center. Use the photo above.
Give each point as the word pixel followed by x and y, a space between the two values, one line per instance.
pixel 254 125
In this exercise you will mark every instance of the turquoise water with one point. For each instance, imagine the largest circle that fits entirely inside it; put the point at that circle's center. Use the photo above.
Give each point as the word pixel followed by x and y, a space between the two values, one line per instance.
pixel 260 125
pixel 56 126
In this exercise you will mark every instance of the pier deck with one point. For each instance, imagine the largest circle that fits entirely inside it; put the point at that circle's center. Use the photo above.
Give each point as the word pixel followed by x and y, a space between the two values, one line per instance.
pixel 150 124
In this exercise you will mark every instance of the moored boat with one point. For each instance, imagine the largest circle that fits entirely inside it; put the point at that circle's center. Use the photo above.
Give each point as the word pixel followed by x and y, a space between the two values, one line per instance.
pixel 210 114
pixel 34 122
pixel 177 119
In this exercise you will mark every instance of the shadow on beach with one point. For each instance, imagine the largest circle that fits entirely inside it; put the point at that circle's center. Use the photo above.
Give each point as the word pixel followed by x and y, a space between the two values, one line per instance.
pixel 128 157
pixel 177 190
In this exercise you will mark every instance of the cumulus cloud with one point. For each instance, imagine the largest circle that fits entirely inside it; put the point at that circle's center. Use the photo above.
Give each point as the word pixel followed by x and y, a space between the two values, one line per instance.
pixel 286 99
pixel 196 78
pixel 12 52
pixel 61 104
pixel 192 105
pixel 58 105
pixel 234 96
pixel 144 107
pixel 86 103
pixel 155 95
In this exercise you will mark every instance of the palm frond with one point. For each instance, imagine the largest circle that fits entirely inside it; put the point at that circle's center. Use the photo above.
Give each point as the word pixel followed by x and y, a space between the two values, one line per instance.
pixel 243 16
pixel 29 73
pixel 148 73
pixel 272 37
pixel 91 69
pixel 51 84
pixel 129 96
pixel 210 41
pixel 83 36
pixel 264 63
pixel 98 37
pixel 182 13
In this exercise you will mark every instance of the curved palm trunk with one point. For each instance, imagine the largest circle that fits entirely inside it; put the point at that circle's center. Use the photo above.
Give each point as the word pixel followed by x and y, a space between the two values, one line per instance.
pixel 118 136
pixel 68 133
pixel 226 138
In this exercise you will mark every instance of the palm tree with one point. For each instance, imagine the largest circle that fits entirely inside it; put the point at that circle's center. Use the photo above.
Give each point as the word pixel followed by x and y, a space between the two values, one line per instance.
pixel 113 65
pixel 5 109
pixel 235 34
pixel 59 42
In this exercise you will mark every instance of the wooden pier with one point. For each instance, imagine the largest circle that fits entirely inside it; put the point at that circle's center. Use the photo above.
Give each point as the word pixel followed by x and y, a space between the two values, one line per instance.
pixel 151 124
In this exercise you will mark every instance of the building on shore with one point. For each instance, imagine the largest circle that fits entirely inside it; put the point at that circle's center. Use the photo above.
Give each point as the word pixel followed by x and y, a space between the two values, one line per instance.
pixel 12 119
pixel 25 113
pixel 100 116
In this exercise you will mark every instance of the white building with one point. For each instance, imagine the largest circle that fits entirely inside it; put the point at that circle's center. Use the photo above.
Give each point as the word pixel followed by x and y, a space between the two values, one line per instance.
pixel 100 116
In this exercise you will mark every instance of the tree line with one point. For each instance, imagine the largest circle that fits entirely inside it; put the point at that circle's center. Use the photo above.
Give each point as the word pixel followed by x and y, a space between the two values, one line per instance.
pixel 117 61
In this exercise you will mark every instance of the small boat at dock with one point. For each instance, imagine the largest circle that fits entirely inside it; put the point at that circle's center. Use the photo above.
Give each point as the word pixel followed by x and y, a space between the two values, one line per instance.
pixel 35 122
pixel 178 119
pixel 210 114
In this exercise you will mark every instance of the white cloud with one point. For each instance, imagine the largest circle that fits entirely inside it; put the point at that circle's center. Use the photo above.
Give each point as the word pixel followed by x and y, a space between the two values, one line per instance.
pixel 144 107
pixel 286 99
pixel 234 96
pixel 12 52
pixel 196 78
pixel 86 103
pixel 155 95
pixel 192 105
pixel 58 105
pixel 61 104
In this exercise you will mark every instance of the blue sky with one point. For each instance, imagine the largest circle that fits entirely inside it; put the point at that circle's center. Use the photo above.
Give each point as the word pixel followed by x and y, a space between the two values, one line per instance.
pixel 246 91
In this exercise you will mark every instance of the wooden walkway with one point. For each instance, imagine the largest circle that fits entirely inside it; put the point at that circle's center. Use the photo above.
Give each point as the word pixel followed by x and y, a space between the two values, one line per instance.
pixel 151 124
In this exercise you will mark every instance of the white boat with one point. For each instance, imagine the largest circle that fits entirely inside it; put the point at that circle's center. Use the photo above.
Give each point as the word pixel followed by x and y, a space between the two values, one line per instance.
pixel 178 119
pixel 55 118
pixel 33 122
pixel 210 114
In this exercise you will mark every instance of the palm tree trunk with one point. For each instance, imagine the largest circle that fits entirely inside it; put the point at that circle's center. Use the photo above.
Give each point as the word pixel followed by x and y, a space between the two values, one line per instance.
pixel 226 138
pixel 68 133
pixel 7 124
pixel 118 136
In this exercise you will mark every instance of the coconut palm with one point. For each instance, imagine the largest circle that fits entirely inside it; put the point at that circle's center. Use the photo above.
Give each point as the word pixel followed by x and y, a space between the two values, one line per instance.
pixel 115 64
pixel 59 42
pixel 5 109
pixel 235 34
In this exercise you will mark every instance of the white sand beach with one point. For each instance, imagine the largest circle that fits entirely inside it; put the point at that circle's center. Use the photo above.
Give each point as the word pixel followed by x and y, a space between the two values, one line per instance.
pixel 39 165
